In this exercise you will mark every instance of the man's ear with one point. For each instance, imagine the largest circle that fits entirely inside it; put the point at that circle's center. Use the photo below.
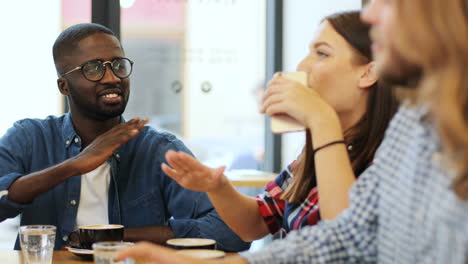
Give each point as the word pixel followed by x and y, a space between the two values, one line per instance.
pixel 367 77
pixel 62 85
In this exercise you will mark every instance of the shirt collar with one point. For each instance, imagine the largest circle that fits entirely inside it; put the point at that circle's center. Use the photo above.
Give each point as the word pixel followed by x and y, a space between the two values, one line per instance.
pixel 70 135
pixel 427 127
pixel 417 111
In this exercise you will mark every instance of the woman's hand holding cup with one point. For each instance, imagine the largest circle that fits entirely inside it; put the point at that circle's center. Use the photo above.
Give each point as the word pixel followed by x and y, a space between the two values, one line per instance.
pixel 288 96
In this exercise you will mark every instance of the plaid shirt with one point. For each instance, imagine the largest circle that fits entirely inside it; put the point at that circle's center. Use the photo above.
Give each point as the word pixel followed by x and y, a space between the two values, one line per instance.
pixel 282 216
pixel 402 209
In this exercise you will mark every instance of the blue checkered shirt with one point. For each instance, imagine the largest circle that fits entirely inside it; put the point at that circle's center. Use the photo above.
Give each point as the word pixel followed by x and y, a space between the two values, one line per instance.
pixel 402 210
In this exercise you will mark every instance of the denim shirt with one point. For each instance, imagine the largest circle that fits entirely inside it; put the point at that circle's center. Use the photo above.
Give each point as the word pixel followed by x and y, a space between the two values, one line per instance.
pixel 140 194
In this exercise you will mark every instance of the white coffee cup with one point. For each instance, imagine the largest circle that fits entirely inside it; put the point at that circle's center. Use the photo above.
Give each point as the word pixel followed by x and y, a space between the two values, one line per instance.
pixel 284 123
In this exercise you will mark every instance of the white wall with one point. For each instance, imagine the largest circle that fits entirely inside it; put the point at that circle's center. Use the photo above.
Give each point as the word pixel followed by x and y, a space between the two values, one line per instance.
pixel 229 42
pixel 301 18
pixel 225 46
pixel 28 88
pixel 28 29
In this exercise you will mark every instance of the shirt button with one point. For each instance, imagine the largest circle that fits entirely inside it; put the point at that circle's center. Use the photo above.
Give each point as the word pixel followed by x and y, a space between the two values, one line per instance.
pixel 67 142
pixel 73 202
pixel 65 238
pixel 76 140
pixel 117 156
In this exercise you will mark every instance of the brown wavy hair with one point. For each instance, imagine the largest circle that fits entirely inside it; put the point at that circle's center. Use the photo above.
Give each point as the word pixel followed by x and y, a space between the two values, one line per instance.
pixel 437 43
pixel 367 134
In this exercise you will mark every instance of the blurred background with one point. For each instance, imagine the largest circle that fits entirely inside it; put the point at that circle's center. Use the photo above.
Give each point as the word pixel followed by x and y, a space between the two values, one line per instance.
pixel 200 69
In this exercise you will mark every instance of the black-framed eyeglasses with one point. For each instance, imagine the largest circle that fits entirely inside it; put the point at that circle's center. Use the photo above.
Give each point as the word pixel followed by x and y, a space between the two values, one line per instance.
pixel 95 70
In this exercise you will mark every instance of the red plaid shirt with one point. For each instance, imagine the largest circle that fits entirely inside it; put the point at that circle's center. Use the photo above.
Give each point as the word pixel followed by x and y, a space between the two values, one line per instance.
pixel 282 216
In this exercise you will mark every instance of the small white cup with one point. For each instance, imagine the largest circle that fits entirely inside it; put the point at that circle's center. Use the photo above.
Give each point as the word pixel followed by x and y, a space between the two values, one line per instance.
pixel 37 243
pixel 283 123
pixel 104 252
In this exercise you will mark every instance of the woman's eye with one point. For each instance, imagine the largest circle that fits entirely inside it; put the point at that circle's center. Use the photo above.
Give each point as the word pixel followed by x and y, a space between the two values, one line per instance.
pixel 321 54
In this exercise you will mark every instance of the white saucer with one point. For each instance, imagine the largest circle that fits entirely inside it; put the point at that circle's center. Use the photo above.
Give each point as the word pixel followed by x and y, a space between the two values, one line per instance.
pixel 202 253
pixel 83 253
pixel 191 242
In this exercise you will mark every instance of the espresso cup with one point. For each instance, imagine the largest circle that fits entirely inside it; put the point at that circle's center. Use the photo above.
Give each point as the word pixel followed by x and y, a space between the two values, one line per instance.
pixel 191 243
pixel 97 233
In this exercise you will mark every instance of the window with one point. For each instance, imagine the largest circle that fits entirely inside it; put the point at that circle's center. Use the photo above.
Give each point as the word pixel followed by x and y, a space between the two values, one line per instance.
pixel 198 69
pixel 32 93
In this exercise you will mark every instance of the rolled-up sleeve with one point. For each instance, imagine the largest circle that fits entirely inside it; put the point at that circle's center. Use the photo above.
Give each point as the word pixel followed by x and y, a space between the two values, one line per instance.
pixel 350 238
pixel 13 147
pixel 8 208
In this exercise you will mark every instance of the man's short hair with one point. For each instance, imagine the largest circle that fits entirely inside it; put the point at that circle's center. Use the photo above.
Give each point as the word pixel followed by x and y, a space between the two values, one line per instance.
pixel 68 40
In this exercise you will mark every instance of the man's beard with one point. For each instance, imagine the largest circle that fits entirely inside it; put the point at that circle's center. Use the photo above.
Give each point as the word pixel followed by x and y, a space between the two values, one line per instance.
pixel 95 110
pixel 399 72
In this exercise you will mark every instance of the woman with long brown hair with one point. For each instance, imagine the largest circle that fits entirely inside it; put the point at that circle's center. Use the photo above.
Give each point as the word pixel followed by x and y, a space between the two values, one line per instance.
pixel 340 77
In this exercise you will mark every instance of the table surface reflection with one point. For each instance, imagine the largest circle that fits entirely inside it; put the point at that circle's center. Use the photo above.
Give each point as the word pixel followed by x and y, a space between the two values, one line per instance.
pixel 59 257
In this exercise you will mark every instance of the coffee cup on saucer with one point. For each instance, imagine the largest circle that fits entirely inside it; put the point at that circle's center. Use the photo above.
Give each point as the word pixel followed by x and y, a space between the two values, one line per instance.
pixel 90 234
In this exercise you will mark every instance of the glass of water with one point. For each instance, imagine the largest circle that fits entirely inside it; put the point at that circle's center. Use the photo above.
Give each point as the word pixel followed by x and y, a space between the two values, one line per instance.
pixel 37 243
pixel 104 252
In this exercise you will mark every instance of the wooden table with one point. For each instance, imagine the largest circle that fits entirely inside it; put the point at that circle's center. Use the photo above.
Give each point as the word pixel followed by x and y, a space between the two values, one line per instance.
pixel 250 178
pixel 59 257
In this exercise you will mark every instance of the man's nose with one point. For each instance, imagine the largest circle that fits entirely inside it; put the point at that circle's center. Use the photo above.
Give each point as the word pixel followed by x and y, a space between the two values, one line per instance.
pixel 368 13
pixel 109 76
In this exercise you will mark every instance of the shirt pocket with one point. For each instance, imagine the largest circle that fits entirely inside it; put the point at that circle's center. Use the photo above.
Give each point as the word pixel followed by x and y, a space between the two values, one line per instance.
pixel 144 210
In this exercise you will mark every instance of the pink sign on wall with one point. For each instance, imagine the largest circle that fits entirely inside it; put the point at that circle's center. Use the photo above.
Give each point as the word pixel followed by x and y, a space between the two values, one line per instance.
pixel 157 12
pixel 75 11
pixel 141 13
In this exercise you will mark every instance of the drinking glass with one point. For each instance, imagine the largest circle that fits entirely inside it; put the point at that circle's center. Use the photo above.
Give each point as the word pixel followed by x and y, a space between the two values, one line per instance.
pixel 104 252
pixel 37 243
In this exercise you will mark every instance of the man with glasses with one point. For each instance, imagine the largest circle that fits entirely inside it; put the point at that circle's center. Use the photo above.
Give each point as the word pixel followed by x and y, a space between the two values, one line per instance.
pixel 91 167
pixel 94 70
